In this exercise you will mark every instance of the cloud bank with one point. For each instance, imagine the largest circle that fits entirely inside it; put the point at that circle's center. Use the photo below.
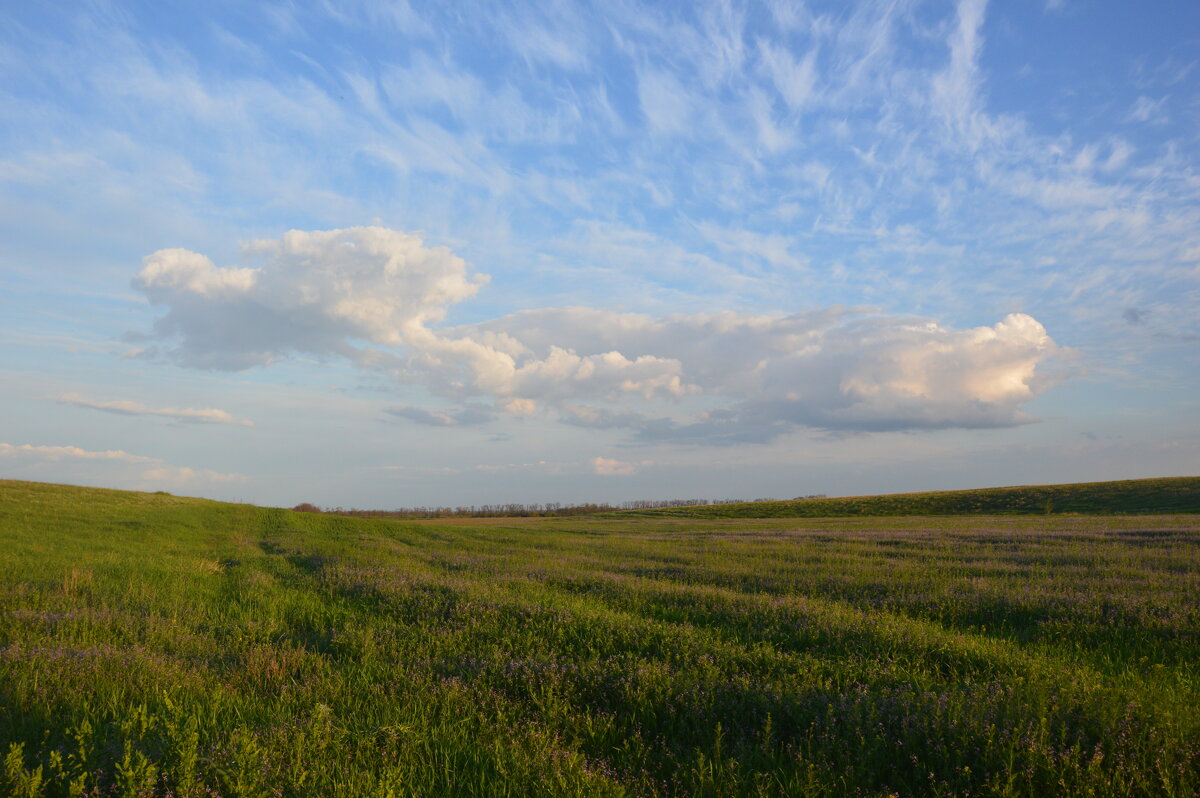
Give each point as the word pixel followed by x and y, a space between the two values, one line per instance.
pixel 831 369
pixel 375 296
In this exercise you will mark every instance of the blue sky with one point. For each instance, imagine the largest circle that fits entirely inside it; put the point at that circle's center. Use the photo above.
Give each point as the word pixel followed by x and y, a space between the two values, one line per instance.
pixel 395 254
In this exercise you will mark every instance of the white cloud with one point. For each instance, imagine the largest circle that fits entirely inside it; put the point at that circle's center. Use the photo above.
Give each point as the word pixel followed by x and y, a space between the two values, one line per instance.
pixel 1119 155
pixel 492 111
pixel 1063 194
pixel 795 81
pixel 665 102
pixel 772 248
pixel 605 466
pixel 830 369
pixel 31 453
pixel 754 377
pixel 184 477
pixel 210 415
pixel 650 261
pixel 521 407
pixel 562 42
pixel 316 291
pixel 955 90
pixel 475 362
pixel 1147 110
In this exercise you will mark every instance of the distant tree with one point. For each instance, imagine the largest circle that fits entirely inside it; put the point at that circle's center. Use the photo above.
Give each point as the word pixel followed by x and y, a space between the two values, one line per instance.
pixel 305 507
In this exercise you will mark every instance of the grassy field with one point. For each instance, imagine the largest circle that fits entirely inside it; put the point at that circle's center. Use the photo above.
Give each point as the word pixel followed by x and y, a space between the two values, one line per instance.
pixel 155 645
pixel 1125 497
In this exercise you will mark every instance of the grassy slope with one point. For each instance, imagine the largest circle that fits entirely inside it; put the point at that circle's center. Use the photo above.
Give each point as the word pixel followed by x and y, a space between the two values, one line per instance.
pixel 152 644
pixel 1131 496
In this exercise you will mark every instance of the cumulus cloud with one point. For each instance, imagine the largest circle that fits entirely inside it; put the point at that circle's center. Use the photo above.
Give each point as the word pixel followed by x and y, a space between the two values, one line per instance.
pixel 55 453
pixel 708 377
pixel 484 361
pixel 315 291
pixel 210 415
pixel 605 466
pixel 830 369
pixel 321 291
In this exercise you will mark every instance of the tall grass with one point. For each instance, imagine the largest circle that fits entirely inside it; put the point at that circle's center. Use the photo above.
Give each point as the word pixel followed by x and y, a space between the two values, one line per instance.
pixel 154 645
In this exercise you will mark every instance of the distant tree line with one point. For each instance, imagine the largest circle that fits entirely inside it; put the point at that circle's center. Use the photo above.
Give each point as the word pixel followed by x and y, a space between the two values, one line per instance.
pixel 523 510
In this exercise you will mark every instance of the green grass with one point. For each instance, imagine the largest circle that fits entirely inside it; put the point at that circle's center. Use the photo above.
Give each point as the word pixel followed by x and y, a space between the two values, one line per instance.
pixel 1125 497
pixel 155 645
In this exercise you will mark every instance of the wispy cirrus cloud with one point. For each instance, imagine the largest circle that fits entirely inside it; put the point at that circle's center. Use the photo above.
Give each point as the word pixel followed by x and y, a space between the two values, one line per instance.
pixel 184 477
pixel 1148 110
pixel 888 98
pixel 112 466
pixel 31 453
pixel 539 467
pixel 464 417
pixel 125 407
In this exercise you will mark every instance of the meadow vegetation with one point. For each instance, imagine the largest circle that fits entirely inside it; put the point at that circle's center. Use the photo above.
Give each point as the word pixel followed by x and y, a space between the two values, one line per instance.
pixel 1123 497
pixel 157 645
pixel 1133 496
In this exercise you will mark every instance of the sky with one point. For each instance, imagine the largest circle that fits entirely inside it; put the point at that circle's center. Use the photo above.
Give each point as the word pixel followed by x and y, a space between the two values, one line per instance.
pixel 396 254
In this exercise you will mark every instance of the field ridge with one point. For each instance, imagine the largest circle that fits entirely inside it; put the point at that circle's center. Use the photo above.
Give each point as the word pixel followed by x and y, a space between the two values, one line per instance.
pixel 1157 496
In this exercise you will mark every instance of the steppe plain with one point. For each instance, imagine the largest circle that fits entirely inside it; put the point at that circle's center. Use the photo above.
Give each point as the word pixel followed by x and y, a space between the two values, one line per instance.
pixel 159 645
